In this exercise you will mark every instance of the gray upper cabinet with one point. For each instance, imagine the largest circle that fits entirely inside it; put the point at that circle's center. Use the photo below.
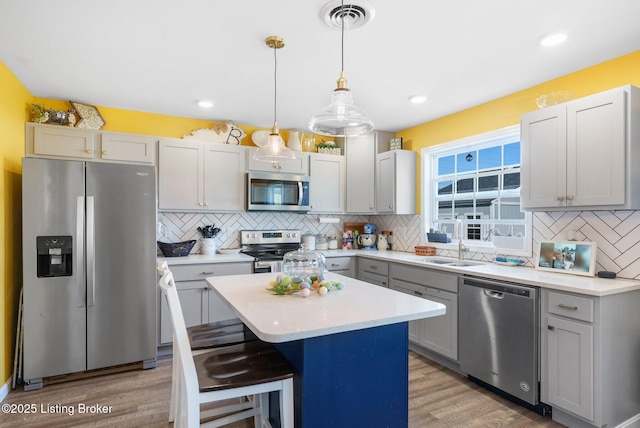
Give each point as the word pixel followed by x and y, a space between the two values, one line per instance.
pixel 197 176
pixel 62 142
pixel 328 183
pixel 361 159
pixel 396 182
pixel 379 181
pixel 581 154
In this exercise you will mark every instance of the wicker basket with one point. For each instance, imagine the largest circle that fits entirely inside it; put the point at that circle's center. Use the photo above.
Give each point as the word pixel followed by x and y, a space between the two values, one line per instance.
pixel 176 249
pixel 422 250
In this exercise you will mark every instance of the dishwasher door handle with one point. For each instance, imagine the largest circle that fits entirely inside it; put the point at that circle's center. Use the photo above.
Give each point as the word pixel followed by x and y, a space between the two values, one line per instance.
pixel 493 294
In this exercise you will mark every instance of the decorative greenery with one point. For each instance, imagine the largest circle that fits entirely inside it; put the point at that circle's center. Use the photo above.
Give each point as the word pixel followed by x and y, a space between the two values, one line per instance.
pixel 210 231
pixel 327 145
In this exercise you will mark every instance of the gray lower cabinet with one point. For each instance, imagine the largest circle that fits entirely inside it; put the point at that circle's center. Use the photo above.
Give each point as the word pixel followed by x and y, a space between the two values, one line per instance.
pixel 373 271
pixel 199 304
pixel 590 350
pixel 438 334
pixel 342 265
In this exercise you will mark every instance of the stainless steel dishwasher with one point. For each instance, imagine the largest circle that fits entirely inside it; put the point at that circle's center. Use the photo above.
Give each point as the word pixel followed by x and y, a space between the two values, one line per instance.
pixel 498 337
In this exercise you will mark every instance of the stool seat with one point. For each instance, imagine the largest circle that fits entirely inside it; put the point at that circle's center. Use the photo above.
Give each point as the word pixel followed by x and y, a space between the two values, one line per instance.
pixel 220 333
pixel 245 364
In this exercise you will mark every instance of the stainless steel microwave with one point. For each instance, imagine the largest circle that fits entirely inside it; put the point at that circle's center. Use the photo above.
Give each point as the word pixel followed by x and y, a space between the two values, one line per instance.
pixel 277 192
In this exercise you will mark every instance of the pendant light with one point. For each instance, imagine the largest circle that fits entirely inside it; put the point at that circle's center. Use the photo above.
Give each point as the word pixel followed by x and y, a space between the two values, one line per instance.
pixel 274 150
pixel 341 118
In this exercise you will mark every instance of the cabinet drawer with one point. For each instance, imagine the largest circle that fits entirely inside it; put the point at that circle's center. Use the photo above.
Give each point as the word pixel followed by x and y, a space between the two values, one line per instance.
pixel 339 263
pixel 375 279
pixel 570 306
pixel 367 265
pixel 426 277
pixel 203 271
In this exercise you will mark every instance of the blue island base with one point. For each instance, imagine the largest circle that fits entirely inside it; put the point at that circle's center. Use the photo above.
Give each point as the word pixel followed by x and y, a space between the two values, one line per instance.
pixel 355 379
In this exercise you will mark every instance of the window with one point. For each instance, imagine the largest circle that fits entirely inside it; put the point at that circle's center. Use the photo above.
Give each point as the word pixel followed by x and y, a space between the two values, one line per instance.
pixel 477 181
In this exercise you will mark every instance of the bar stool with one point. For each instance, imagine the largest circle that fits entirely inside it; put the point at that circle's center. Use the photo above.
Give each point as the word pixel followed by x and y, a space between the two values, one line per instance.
pixel 253 368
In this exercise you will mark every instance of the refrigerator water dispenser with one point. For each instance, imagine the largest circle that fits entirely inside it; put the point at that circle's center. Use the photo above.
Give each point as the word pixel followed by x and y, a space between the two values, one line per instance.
pixel 54 256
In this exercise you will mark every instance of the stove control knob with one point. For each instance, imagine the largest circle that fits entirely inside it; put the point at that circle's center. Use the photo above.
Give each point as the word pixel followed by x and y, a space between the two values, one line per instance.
pixel 288 235
pixel 293 234
pixel 255 235
pixel 248 235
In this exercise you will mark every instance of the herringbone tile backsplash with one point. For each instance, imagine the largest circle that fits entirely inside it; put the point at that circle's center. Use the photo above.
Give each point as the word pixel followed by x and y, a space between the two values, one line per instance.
pixel 617 233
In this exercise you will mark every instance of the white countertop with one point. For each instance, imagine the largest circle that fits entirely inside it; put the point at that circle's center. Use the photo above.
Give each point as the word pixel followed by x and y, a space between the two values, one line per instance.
pixel 279 319
pixel 592 286
pixel 202 258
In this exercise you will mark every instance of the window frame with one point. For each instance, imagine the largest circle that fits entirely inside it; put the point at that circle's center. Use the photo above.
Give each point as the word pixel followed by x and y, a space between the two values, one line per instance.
pixel 475 143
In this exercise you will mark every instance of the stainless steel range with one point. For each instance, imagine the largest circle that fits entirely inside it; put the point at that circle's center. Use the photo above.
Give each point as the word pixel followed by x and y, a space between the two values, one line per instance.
pixel 268 247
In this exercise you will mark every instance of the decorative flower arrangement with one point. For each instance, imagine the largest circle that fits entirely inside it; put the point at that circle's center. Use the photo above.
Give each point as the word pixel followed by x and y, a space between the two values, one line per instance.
pixel 329 148
pixel 210 231
pixel 40 114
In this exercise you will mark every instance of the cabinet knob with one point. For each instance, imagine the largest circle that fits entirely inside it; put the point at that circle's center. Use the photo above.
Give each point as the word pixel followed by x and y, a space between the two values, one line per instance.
pixel 104 152
pixel 89 151
pixel 569 198
pixel 550 327
pixel 200 204
pixel 206 204
pixel 391 206
pixel 560 198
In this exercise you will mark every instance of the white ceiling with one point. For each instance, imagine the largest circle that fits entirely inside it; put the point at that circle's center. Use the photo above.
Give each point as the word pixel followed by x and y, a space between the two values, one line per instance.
pixel 162 56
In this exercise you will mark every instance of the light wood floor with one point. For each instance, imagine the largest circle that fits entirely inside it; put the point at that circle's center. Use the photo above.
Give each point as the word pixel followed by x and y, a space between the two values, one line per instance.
pixel 438 397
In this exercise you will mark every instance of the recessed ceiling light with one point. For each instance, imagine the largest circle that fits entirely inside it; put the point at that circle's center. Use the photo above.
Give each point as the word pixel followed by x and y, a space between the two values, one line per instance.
pixel 205 104
pixel 418 99
pixel 552 39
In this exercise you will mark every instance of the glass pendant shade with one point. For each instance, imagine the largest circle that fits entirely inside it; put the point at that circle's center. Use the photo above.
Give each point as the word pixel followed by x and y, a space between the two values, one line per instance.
pixel 274 150
pixel 341 118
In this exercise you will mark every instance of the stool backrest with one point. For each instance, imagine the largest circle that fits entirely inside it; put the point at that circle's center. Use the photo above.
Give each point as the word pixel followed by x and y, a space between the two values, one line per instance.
pixel 189 407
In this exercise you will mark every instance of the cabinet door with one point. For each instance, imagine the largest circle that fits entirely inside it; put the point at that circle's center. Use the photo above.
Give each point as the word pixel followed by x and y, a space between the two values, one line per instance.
pixel 596 150
pixel 440 334
pixel 299 166
pixel 361 159
pixel 570 366
pixel 218 309
pixel 180 174
pixel 59 141
pixel 328 184
pixel 224 178
pixel 194 304
pixel 543 169
pixel 386 183
pixel 127 147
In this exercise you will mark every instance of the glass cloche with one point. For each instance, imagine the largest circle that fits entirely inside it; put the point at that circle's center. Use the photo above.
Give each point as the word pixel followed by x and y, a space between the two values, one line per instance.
pixel 303 263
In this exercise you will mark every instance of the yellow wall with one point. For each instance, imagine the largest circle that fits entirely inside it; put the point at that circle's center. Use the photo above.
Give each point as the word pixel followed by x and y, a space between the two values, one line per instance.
pixel 506 111
pixel 15 100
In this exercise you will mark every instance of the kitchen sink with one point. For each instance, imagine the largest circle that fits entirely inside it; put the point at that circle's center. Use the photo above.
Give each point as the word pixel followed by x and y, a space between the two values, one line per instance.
pixel 446 261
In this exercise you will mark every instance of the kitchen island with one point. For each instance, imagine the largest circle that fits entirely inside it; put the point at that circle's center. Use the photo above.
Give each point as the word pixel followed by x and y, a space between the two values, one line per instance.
pixel 349 348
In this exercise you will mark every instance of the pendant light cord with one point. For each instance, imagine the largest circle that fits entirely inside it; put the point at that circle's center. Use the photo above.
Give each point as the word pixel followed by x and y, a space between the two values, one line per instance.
pixel 275 85
pixel 342 31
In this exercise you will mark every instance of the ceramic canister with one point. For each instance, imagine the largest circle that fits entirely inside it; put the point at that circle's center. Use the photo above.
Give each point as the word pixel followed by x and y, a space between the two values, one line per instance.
pixel 347 240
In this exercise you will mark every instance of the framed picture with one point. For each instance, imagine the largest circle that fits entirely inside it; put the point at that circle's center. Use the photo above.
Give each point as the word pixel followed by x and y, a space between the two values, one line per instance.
pixel 395 144
pixel 576 258
pixel 89 116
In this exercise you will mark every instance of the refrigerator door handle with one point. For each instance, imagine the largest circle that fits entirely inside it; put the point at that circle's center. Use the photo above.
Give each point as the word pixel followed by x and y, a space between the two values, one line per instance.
pixel 91 266
pixel 79 255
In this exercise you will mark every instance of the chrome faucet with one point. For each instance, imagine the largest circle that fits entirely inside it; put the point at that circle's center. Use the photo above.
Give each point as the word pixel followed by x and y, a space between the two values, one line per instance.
pixel 461 247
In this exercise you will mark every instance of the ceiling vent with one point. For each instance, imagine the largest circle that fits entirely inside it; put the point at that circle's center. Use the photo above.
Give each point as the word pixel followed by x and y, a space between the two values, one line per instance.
pixel 356 13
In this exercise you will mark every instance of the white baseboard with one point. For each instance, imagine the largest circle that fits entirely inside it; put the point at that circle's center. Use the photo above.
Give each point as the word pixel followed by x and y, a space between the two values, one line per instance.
pixel 634 422
pixel 4 389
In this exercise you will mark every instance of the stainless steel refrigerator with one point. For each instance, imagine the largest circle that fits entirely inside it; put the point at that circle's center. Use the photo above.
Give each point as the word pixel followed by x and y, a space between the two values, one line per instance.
pixel 89 255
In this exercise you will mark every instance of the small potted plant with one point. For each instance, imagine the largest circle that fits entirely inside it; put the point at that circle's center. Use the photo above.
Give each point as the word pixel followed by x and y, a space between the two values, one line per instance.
pixel 208 243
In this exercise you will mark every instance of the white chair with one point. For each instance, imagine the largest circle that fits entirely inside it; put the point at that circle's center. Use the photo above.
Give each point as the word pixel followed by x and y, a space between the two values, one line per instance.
pixel 251 369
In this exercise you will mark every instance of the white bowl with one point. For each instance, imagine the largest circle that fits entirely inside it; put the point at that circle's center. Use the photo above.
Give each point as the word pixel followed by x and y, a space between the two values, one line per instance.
pixel 261 137
pixel 229 250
